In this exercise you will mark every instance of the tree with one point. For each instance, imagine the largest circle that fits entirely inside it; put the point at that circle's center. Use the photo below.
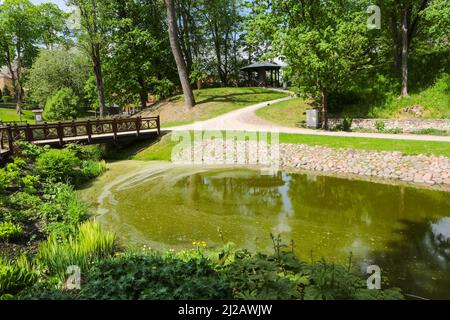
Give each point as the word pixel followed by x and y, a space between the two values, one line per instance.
pixel 93 24
pixel 19 36
pixel 21 32
pixel 139 59
pixel 54 70
pixel 406 25
pixel 63 105
pixel 53 25
pixel 222 23
pixel 438 17
pixel 178 55
pixel 324 43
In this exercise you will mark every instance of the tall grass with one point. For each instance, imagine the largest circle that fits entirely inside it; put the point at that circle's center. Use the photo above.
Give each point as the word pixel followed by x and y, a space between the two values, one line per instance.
pixel 89 245
pixel 14 277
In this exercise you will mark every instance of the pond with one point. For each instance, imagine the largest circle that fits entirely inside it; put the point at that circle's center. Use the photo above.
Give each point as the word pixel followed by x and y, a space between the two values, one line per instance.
pixel 405 230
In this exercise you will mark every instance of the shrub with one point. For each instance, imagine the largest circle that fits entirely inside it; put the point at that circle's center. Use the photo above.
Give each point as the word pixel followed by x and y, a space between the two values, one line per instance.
pixel 62 211
pixel 432 132
pixel 25 206
pixel 380 125
pixel 63 105
pixel 92 169
pixel 14 277
pixel 89 245
pixel 5 180
pixel 154 276
pixel 10 231
pixel 91 152
pixel 58 165
pixel 7 99
pixel 29 184
pixel 30 151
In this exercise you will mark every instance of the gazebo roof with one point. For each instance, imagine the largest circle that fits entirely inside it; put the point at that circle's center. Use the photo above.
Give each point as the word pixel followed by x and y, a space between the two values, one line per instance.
pixel 262 65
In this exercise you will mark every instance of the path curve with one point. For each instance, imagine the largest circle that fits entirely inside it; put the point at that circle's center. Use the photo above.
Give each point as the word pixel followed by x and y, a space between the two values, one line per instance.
pixel 245 119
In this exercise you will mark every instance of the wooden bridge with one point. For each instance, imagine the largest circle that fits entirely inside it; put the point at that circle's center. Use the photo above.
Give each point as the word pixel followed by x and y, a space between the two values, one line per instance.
pixel 89 131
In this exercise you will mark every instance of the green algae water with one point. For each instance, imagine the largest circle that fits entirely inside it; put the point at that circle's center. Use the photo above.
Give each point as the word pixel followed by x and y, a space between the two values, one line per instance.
pixel 404 230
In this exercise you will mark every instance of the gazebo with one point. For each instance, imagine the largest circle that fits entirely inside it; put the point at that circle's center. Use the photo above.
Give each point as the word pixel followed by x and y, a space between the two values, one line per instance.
pixel 262 79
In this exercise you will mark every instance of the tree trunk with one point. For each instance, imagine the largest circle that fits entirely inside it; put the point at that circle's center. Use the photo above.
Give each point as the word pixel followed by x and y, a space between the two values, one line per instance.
pixel 404 92
pixel 178 55
pixel 99 80
pixel 324 102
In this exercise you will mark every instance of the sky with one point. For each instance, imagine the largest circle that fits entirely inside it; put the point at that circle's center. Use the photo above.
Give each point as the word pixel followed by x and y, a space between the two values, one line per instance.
pixel 61 3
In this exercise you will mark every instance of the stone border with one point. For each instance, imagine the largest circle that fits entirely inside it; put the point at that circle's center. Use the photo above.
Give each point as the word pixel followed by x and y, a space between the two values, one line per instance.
pixel 405 125
pixel 382 165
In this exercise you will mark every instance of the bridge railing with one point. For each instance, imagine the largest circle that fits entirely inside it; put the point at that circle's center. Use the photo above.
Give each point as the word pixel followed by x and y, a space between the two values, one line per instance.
pixel 88 129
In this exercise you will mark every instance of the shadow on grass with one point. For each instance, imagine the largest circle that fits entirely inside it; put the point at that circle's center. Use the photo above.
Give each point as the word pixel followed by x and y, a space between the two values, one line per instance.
pixel 126 151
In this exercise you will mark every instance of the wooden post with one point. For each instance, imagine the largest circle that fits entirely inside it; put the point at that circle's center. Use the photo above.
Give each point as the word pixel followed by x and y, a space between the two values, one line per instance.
pixel 45 131
pixel 114 126
pixel 138 126
pixel 28 133
pixel 74 129
pixel 10 139
pixel 89 130
pixel 158 123
pixel 60 132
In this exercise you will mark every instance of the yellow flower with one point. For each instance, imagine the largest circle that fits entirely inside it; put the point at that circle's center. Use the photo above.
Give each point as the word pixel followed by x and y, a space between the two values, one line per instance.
pixel 194 243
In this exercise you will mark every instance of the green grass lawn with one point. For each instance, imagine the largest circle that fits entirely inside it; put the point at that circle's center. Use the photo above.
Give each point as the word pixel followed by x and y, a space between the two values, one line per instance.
pixel 162 150
pixel 290 113
pixel 210 103
pixel 435 102
pixel 9 114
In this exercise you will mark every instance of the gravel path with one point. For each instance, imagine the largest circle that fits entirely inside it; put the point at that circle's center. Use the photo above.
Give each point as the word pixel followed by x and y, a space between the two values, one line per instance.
pixel 245 119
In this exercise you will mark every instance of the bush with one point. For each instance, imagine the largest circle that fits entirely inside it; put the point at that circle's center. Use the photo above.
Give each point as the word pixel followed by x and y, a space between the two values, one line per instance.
pixel 91 152
pixel 62 211
pixel 92 169
pixel 58 165
pixel 89 245
pixel 7 99
pixel 63 105
pixel 154 277
pixel 432 132
pixel 29 184
pixel 380 125
pixel 30 151
pixel 10 231
pixel 5 180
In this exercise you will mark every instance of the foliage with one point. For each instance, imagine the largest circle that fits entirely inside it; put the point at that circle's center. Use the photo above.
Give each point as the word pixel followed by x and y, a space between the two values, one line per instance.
pixel 14 277
pixel 55 70
pixel 63 105
pixel 222 273
pixel 380 125
pixel 89 152
pixel 23 27
pixel 62 211
pixel 58 165
pixel 139 60
pixel 9 231
pixel 89 245
pixel 432 132
pixel 311 45
pixel 345 125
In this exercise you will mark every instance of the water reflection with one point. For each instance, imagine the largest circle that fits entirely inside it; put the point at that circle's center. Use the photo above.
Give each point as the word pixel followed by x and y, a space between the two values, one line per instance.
pixel 406 231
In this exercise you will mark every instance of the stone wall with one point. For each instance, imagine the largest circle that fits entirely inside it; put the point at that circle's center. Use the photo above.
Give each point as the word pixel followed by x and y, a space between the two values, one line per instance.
pixel 421 169
pixel 406 125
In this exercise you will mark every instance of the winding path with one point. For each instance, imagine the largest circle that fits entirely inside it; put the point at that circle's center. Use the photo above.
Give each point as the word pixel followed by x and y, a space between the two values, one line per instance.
pixel 245 119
